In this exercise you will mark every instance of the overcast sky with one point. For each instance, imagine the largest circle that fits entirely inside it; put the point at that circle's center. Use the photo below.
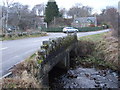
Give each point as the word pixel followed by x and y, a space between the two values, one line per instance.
pixel 97 5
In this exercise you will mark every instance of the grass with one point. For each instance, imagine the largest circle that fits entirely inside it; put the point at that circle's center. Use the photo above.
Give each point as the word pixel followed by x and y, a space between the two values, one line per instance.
pixel 32 57
pixel 21 37
pixel 93 38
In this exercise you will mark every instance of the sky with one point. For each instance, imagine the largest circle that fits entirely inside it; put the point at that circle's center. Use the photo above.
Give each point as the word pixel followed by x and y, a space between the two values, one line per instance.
pixel 97 5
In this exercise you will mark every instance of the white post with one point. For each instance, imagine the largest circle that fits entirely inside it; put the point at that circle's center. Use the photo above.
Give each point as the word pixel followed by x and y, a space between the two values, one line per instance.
pixel 95 20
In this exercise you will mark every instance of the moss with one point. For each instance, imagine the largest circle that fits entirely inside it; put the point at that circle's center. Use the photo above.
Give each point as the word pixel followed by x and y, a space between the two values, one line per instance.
pixel 45 46
pixel 32 55
pixel 11 85
pixel 40 61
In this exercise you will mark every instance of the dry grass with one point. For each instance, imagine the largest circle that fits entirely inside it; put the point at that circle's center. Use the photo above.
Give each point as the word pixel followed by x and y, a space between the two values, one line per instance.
pixel 24 75
pixel 19 83
pixel 109 47
pixel 104 47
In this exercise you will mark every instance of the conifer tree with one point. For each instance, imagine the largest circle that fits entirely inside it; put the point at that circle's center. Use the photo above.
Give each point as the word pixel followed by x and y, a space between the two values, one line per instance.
pixel 51 11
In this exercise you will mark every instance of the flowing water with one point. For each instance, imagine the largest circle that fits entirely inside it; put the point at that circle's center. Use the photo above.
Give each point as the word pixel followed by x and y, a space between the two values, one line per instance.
pixel 83 78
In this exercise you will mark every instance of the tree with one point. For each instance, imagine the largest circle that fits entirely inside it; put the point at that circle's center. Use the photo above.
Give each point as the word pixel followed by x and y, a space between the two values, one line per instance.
pixel 51 11
pixel 20 16
pixel 7 4
pixel 80 11
pixel 110 16
pixel 37 9
pixel 63 12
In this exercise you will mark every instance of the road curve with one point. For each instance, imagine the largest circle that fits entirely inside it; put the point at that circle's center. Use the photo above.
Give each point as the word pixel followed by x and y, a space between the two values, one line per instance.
pixel 15 51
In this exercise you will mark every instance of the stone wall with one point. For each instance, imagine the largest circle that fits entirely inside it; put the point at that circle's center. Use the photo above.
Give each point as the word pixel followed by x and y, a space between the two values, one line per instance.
pixel 55 52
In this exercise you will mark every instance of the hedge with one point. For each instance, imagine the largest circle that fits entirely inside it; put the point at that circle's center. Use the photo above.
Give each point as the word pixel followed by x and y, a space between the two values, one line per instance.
pixel 83 29
pixel 52 29
pixel 86 29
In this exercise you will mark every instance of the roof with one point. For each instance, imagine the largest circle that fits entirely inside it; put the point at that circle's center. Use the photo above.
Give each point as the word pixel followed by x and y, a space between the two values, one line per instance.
pixel 84 19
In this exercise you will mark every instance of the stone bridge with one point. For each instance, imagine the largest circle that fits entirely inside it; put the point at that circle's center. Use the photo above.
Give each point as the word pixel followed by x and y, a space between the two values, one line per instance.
pixel 55 52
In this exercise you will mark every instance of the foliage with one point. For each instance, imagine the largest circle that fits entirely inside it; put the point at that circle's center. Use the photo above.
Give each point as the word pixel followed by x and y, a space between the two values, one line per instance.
pixel 40 61
pixel 51 11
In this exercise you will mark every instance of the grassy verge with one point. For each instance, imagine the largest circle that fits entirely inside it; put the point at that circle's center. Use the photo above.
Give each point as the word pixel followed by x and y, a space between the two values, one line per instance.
pixel 21 37
pixel 93 38
pixel 92 54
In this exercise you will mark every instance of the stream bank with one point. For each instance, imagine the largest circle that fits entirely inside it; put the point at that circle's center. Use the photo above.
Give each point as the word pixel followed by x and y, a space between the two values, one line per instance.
pixel 89 68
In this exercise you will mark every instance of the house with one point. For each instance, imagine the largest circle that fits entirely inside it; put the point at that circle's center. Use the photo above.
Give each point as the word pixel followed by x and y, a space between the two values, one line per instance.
pixel 40 21
pixel 84 21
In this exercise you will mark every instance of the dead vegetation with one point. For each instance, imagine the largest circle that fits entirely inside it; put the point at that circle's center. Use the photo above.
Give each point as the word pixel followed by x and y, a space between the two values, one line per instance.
pixel 108 49
pixel 101 50
pixel 24 76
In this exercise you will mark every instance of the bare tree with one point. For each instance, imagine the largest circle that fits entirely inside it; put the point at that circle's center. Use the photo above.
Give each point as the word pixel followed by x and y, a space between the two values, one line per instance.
pixel 7 4
pixel 1 19
pixel 20 16
pixel 15 14
pixel 110 16
pixel 80 11
pixel 63 11
pixel 37 9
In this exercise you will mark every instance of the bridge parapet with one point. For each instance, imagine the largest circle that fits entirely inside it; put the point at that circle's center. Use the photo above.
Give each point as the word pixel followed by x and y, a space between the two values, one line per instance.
pixel 53 51
pixel 55 45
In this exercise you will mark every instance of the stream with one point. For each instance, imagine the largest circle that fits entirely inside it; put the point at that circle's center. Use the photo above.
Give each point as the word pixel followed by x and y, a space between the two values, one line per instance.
pixel 80 77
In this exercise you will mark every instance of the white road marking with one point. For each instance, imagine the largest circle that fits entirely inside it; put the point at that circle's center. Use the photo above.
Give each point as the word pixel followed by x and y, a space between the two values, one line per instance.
pixel 3 48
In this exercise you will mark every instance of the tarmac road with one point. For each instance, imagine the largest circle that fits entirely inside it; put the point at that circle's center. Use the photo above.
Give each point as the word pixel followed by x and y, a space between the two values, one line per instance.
pixel 15 51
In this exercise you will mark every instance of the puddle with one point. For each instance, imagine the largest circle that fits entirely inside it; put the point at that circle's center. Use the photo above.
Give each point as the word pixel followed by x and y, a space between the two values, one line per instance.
pixel 84 78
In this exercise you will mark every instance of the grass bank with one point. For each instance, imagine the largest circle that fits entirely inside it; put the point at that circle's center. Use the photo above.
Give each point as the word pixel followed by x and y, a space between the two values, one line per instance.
pixel 96 50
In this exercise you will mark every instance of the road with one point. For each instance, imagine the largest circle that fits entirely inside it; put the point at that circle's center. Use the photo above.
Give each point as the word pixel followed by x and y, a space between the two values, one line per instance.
pixel 15 51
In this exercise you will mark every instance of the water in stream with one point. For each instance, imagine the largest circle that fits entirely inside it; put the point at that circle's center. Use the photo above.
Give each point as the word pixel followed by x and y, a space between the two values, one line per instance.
pixel 83 78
